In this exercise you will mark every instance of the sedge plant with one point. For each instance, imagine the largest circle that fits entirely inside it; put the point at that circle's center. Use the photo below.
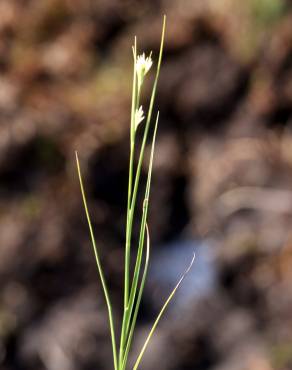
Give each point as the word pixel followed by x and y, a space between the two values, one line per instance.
pixel 134 281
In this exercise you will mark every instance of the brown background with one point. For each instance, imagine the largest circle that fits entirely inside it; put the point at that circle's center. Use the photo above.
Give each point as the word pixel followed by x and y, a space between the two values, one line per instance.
pixel 222 175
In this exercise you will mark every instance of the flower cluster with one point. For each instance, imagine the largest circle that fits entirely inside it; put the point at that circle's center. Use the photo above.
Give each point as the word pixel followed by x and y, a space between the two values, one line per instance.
pixel 143 64
pixel 139 116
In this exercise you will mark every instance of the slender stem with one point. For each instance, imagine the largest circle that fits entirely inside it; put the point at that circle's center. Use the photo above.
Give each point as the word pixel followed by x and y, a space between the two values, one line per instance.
pixel 130 337
pixel 137 363
pixel 132 293
pixel 149 115
pixel 131 209
pixel 132 147
pixel 130 324
pixel 100 270
pixel 142 230
pixel 135 103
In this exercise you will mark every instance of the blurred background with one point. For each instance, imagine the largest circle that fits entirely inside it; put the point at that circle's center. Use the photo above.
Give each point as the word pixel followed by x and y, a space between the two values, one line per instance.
pixel 222 181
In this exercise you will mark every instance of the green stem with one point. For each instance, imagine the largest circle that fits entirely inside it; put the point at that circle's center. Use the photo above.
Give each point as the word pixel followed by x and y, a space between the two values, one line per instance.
pixel 131 209
pixel 145 135
pixel 130 324
pixel 132 147
pixel 100 270
pixel 130 337
pixel 137 363
pixel 142 230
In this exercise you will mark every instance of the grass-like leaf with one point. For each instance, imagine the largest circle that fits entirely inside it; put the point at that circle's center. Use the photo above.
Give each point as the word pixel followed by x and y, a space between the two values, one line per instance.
pixel 143 227
pixel 132 205
pixel 134 284
pixel 99 267
pixel 131 333
pixel 137 363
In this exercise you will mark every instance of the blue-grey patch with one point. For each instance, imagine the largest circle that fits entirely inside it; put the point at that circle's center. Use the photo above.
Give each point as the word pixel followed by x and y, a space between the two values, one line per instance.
pixel 167 264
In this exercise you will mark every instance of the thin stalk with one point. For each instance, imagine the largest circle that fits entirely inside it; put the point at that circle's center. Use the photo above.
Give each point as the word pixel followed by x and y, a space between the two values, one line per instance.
pixel 132 147
pixel 137 363
pixel 136 90
pixel 130 337
pixel 100 270
pixel 142 230
pixel 130 330
pixel 136 185
pixel 145 135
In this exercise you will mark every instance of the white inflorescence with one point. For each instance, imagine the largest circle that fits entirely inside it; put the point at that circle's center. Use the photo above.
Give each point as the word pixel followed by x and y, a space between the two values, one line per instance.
pixel 143 64
pixel 139 116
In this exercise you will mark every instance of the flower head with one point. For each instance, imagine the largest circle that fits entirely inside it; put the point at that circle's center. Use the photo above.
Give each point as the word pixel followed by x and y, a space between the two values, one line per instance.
pixel 139 116
pixel 143 64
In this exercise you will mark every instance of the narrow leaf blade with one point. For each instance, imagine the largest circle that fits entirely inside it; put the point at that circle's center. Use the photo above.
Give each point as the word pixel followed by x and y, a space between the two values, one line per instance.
pixel 137 363
pixel 98 263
